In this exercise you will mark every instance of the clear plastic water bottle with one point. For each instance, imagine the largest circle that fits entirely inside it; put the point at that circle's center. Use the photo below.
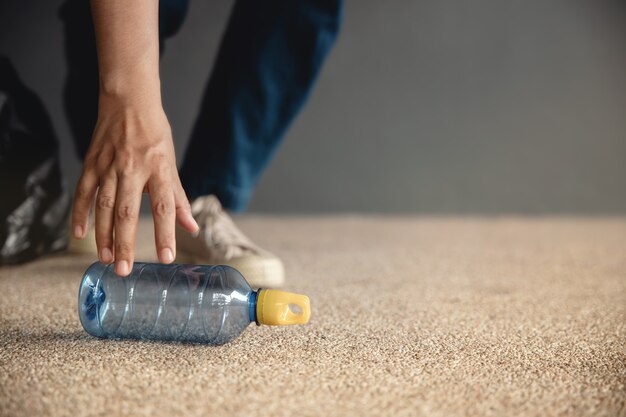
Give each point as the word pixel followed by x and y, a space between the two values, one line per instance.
pixel 191 303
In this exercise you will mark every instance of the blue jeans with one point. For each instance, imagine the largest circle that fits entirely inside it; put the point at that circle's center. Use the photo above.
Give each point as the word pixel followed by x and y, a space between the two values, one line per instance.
pixel 267 62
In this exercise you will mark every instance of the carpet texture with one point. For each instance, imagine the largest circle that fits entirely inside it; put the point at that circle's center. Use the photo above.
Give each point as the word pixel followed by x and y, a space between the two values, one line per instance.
pixel 411 316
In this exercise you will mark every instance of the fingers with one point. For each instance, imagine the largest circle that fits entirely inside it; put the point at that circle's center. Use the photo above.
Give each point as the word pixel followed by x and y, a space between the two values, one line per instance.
pixel 83 197
pixel 105 212
pixel 183 211
pixel 164 215
pixel 128 201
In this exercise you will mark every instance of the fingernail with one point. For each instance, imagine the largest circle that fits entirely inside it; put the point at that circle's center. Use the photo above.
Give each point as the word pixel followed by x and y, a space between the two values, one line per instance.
pixel 122 268
pixel 78 231
pixel 106 256
pixel 167 256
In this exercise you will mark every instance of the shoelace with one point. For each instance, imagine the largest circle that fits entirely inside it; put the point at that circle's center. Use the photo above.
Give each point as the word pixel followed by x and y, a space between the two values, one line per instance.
pixel 218 228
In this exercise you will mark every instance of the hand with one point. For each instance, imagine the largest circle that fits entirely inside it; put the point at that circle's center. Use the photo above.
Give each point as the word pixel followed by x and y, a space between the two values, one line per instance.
pixel 131 152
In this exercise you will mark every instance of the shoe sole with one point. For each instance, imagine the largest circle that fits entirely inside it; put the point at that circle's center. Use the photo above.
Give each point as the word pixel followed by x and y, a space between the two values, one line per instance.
pixel 267 274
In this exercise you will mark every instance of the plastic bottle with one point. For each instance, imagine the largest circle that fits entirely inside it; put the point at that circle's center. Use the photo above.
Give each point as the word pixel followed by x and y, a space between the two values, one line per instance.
pixel 191 303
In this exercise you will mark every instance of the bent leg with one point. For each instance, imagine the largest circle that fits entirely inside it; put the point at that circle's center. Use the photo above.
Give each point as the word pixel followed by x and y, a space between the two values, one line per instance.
pixel 34 205
pixel 268 61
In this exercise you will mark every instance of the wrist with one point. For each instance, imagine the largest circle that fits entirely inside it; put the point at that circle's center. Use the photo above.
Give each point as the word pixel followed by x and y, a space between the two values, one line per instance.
pixel 131 86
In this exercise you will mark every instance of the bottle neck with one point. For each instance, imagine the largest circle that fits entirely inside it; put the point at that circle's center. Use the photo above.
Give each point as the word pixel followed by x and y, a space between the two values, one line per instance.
pixel 252 306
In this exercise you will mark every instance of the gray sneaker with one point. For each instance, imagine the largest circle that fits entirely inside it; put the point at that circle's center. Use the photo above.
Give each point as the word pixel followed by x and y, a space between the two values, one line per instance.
pixel 219 241
pixel 38 225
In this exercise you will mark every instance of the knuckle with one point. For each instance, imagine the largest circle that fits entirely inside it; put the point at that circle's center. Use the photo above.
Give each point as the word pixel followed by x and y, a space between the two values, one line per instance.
pixel 159 158
pixel 90 159
pixel 126 164
pixel 183 204
pixel 103 240
pixel 103 162
pixel 162 208
pixel 163 167
pixel 123 249
pixel 127 170
pixel 126 212
pixel 165 238
pixel 165 242
pixel 82 192
pixel 160 179
pixel 106 202
pixel 186 208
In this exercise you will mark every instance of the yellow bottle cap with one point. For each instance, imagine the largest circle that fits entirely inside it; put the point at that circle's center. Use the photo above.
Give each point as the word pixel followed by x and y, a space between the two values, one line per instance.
pixel 276 308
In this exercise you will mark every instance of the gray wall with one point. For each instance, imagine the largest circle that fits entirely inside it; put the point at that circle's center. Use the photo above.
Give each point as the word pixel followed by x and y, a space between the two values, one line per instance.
pixel 438 106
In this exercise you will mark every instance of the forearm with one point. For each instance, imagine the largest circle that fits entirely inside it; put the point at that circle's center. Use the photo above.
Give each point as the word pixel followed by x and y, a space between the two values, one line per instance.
pixel 127 40
pixel 131 149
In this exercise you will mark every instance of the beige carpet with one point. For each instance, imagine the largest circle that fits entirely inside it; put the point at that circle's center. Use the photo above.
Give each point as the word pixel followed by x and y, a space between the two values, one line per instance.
pixel 411 316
